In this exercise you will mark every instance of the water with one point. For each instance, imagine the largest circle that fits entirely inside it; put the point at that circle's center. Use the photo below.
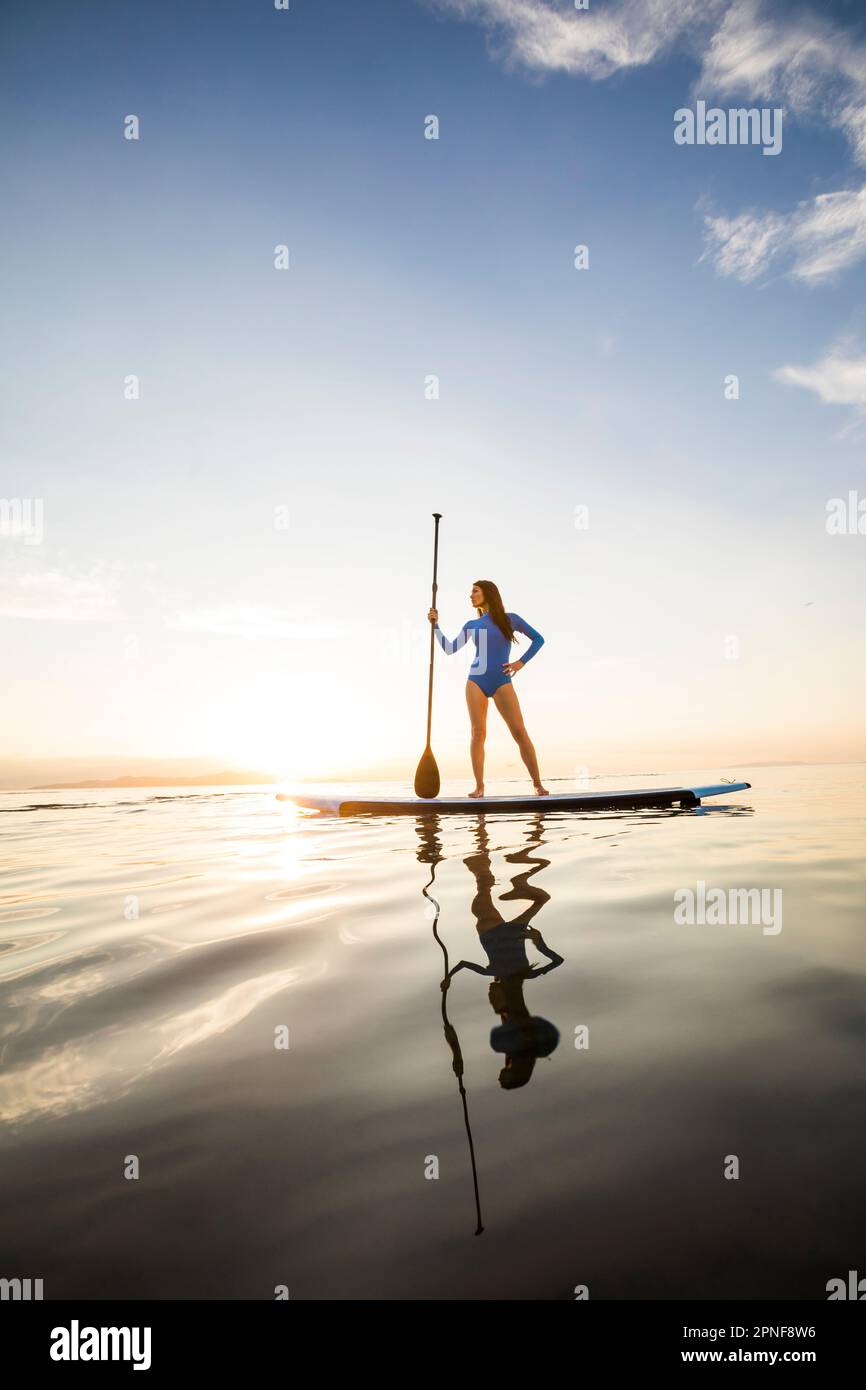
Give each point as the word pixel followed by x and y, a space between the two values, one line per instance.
pixel 152 944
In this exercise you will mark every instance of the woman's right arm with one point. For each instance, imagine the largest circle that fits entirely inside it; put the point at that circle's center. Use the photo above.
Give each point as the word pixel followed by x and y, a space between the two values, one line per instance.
pixel 449 648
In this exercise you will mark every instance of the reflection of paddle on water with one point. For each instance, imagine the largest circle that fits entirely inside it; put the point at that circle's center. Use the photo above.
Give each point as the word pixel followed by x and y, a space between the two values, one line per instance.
pixel 428 834
pixel 520 1035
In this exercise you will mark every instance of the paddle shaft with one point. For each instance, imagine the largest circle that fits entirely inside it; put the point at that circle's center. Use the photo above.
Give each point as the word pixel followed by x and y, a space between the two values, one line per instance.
pixel 451 1033
pixel 437 517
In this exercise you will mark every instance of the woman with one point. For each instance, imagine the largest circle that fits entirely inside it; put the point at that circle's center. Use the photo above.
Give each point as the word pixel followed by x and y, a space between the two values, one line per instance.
pixel 490 674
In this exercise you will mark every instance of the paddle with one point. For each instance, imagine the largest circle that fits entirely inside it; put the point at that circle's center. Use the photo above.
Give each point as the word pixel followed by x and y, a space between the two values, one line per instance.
pixel 431 853
pixel 427 773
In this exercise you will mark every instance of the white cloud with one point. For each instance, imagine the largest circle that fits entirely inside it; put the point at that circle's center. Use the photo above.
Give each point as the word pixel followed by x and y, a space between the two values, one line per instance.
pixel 51 596
pixel 838 379
pixel 596 42
pixel 800 61
pixel 811 68
pixel 803 62
pixel 250 620
pixel 815 242
pixel 743 246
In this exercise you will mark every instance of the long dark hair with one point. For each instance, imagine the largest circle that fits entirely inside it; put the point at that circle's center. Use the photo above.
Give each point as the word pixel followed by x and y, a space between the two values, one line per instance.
pixel 496 608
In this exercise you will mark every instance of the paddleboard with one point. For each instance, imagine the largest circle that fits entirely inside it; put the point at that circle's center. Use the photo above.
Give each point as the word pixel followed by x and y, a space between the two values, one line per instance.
pixel 560 801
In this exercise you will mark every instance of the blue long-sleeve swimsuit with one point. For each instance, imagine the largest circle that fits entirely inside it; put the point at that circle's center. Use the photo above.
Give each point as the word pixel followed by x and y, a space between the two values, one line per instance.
pixel 492 649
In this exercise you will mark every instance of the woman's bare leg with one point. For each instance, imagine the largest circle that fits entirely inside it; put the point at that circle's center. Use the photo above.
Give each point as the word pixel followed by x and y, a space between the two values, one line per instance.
pixel 508 705
pixel 477 702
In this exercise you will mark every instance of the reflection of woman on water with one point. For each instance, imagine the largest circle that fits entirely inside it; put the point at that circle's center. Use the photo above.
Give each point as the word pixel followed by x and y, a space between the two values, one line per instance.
pixel 520 1035
pixel 535 1037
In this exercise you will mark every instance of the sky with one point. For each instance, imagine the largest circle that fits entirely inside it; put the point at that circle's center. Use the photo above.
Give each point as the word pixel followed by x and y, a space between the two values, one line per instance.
pixel 224 471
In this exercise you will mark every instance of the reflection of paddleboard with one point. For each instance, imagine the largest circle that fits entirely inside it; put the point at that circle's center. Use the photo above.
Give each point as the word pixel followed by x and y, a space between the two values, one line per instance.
pixel 562 801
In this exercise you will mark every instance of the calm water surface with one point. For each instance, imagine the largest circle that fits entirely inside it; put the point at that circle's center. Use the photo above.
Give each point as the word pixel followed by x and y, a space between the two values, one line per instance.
pixel 153 945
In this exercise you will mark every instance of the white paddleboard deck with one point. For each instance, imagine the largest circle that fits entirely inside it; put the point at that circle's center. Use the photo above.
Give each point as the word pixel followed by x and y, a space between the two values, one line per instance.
pixel 561 801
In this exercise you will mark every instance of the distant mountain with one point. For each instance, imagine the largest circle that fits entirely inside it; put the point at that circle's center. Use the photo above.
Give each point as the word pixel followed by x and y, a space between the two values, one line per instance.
pixel 204 779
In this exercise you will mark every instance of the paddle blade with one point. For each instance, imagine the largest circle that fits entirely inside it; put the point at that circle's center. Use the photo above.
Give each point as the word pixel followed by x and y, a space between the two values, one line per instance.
pixel 427 775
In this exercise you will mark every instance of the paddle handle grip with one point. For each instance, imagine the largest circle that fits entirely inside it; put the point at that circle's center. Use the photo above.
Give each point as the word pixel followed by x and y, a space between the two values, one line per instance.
pixel 437 517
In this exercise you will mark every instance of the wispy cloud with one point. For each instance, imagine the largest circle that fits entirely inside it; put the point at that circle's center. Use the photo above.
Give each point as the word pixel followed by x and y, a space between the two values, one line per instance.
pixel 51 596
pixel 547 36
pixel 839 378
pixel 801 60
pixel 816 241
pixel 253 621
pixel 810 67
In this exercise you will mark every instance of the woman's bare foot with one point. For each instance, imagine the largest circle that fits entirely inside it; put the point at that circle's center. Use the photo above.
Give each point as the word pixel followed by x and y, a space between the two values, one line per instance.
pixel 540 790
pixel 479 791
